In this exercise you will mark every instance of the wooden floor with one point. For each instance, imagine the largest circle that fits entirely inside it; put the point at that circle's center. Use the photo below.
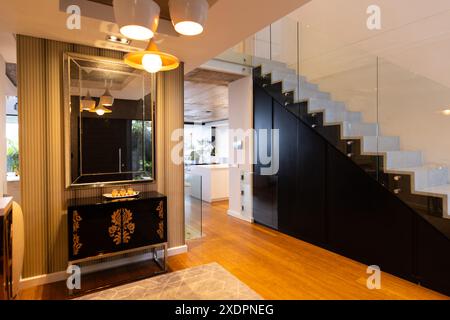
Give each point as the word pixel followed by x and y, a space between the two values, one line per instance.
pixel 274 265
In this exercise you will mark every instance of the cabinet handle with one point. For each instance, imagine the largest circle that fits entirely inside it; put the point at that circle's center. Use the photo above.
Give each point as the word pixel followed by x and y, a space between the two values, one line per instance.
pixel 120 160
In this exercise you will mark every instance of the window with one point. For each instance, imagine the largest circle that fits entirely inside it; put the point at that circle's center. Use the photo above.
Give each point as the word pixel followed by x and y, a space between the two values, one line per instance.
pixel 12 138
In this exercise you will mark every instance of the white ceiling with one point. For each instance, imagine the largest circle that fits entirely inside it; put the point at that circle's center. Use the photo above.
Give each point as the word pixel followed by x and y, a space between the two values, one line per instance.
pixel 229 22
pixel 8 47
pixel 415 35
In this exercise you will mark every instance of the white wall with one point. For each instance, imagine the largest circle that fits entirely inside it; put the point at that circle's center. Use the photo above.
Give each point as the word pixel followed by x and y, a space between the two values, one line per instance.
pixel 222 145
pixel 199 132
pixel 240 117
pixel 398 76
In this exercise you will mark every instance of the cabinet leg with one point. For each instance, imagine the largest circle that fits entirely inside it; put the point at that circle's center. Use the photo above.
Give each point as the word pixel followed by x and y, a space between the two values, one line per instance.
pixel 162 264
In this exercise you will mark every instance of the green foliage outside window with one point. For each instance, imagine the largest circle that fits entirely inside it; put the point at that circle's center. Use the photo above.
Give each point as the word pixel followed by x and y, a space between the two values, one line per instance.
pixel 12 155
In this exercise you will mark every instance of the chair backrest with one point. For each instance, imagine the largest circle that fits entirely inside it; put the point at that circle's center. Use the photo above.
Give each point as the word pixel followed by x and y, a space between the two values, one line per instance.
pixel 18 246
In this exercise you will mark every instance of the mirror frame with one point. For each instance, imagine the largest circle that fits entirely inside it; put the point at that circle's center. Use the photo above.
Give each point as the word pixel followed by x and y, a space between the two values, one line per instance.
pixel 67 116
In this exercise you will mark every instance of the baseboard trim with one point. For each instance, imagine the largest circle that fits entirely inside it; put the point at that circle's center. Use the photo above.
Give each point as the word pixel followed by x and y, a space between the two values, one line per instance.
pixel 237 215
pixel 219 199
pixel 177 250
pixel 62 275
pixel 42 279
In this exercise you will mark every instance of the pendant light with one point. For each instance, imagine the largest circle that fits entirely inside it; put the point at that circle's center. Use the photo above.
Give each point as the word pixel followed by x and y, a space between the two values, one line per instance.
pixel 87 103
pixel 106 99
pixel 151 59
pixel 137 19
pixel 101 110
pixel 189 16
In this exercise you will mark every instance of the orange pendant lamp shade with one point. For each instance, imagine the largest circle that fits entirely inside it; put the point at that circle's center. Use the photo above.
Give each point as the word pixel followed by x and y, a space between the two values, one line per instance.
pixel 151 59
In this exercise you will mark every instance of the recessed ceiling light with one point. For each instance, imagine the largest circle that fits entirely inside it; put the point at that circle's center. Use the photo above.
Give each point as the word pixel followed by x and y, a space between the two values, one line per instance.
pixel 115 39
pixel 446 112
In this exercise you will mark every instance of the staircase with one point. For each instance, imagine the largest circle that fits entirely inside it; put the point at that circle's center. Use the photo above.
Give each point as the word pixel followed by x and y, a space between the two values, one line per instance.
pixel 423 186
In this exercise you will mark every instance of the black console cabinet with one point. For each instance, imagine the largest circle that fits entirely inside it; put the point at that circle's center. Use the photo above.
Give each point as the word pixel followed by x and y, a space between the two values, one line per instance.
pixel 99 227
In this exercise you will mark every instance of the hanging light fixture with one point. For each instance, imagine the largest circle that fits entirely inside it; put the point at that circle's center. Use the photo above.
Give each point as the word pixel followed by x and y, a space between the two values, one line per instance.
pixel 101 110
pixel 151 59
pixel 107 99
pixel 189 16
pixel 87 103
pixel 137 19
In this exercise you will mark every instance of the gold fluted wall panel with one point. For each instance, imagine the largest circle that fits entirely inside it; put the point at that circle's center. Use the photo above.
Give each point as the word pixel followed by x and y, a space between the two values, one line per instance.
pixel 40 83
pixel 170 99
pixel 31 76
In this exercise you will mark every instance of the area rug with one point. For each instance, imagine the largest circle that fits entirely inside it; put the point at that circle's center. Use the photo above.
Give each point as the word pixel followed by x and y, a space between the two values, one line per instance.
pixel 206 282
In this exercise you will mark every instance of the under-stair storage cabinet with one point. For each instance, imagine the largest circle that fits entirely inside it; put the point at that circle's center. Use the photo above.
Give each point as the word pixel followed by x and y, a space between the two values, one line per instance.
pixel 97 226
pixel 291 200
pixel 327 192
pixel 264 186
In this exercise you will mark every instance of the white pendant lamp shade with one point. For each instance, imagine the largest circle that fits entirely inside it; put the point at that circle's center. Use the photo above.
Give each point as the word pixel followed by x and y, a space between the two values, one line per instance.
pixel 137 19
pixel 106 99
pixel 189 16
pixel 87 103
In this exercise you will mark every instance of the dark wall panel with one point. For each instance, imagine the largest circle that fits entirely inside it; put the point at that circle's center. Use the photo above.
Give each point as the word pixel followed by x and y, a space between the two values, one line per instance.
pixel 264 187
pixel 262 119
pixel 311 191
pixel 365 222
pixel 433 257
pixel 265 209
pixel 287 171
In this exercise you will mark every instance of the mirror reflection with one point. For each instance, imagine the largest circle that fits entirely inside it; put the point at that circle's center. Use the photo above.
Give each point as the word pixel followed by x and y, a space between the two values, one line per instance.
pixel 110 121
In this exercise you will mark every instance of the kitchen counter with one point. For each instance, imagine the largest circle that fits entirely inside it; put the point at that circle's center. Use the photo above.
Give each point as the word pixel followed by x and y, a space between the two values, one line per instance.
pixel 214 183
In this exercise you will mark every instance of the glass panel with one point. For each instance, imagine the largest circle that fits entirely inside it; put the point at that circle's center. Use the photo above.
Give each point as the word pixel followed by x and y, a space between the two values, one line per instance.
pixel 277 42
pixel 239 54
pixel 193 205
pixel 414 110
pixel 340 84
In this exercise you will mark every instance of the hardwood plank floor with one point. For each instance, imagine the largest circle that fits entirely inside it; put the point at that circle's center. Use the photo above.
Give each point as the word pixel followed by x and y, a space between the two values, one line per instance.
pixel 280 267
pixel 273 264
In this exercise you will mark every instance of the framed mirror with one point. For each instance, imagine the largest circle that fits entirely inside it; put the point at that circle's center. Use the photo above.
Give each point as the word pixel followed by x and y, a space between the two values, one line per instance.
pixel 109 127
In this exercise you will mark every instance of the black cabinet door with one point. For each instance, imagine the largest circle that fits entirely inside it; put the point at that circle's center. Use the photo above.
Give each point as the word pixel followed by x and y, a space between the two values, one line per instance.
pixel 262 120
pixel 365 222
pixel 433 267
pixel 265 209
pixel 311 191
pixel 287 127
pixel 301 178
pixel 264 186
pixel 149 224
pixel 89 232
